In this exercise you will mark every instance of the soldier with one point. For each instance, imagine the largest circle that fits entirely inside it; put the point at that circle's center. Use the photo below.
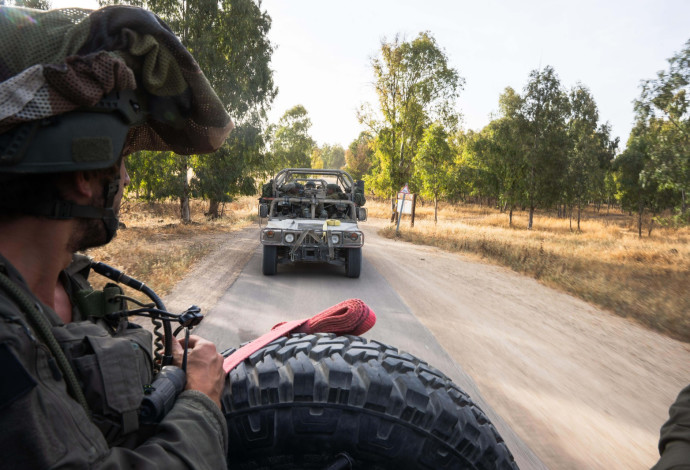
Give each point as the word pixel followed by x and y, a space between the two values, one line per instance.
pixel 674 445
pixel 266 193
pixel 79 91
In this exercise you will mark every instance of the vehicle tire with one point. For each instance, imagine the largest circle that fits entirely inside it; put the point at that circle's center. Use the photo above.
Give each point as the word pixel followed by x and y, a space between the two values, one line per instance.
pixel 353 262
pixel 270 262
pixel 304 402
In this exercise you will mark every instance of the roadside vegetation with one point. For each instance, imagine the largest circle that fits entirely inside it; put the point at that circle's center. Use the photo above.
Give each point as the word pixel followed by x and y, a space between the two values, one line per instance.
pixel 156 248
pixel 606 263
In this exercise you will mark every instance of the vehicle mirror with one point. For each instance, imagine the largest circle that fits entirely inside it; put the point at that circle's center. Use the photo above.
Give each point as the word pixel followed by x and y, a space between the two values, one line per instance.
pixel 263 210
pixel 361 214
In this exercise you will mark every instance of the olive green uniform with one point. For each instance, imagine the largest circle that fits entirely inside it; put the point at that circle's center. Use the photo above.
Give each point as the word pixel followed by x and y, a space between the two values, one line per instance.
pixel 44 427
pixel 674 445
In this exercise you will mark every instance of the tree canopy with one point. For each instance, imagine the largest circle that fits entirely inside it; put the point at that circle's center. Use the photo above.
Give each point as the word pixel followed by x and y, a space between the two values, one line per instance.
pixel 291 144
pixel 229 40
pixel 415 87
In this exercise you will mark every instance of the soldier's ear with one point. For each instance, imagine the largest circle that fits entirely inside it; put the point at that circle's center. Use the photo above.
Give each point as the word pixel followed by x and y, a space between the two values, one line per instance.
pixel 81 185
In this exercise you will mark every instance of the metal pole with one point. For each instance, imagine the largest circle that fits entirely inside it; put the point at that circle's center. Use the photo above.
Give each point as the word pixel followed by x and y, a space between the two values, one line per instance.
pixel 397 229
pixel 414 205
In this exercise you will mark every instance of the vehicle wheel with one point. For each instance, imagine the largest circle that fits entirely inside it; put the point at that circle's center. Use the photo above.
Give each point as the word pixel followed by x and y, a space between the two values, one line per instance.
pixel 306 401
pixel 353 262
pixel 270 262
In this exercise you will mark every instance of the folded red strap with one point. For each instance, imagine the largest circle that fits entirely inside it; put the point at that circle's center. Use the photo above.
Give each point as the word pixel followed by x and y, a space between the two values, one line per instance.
pixel 351 317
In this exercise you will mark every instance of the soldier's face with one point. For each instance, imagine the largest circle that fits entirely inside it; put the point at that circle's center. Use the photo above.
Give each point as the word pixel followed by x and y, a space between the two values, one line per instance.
pixel 92 232
pixel 124 181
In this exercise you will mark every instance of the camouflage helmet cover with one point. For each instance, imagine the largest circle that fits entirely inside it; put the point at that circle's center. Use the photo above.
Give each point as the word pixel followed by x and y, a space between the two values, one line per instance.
pixel 62 68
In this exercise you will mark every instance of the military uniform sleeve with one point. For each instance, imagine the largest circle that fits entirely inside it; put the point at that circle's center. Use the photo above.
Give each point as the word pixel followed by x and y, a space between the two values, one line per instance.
pixel 674 445
pixel 192 435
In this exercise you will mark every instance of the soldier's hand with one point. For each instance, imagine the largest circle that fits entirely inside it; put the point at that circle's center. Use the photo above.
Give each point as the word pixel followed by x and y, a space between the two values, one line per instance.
pixel 204 366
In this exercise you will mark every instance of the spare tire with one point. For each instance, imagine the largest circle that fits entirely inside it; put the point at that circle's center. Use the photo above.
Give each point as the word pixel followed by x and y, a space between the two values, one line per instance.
pixel 309 401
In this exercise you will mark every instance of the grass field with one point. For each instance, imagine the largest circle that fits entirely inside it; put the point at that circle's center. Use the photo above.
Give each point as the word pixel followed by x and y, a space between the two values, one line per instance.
pixel 606 263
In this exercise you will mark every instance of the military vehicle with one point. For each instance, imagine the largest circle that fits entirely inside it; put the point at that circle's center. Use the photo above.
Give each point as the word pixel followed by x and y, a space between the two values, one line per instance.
pixel 312 217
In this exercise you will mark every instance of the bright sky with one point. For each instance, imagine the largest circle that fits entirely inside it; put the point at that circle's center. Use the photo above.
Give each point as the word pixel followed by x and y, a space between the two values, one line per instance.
pixel 324 51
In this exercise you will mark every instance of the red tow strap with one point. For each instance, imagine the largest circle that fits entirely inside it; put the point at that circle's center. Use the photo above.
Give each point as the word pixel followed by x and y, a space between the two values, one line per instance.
pixel 351 317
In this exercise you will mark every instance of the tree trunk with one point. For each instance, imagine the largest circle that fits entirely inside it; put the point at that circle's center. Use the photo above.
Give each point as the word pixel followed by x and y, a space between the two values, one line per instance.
pixel 531 217
pixel 510 217
pixel 683 205
pixel 639 220
pixel 185 213
pixel 579 210
pixel 184 209
pixel 651 225
pixel 570 219
pixel 435 209
pixel 213 207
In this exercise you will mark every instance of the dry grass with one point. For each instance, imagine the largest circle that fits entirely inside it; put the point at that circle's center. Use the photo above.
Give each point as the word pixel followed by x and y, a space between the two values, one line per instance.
pixel 606 263
pixel 159 250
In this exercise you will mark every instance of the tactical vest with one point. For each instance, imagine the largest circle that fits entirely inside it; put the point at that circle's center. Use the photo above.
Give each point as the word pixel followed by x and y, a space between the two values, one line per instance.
pixel 111 358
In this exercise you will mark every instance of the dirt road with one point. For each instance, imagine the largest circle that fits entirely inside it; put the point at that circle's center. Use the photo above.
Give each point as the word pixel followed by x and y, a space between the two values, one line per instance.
pixel 580 387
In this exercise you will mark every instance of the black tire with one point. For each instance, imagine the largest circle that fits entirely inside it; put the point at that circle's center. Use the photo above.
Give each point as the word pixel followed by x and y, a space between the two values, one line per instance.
pixel 270 262
pixel 353 262
pixel 305 401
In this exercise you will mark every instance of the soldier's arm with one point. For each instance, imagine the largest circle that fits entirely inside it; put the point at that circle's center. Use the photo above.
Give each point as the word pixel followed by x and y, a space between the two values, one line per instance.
pixel 674 445
pixel 44 427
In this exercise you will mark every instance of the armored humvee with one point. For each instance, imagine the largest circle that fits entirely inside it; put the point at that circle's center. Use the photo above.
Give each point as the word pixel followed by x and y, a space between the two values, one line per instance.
pixel 312 217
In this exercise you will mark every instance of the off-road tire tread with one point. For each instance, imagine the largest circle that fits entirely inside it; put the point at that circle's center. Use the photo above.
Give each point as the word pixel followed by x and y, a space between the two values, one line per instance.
pixel 270 260
pixel 353 262
pixel 301 400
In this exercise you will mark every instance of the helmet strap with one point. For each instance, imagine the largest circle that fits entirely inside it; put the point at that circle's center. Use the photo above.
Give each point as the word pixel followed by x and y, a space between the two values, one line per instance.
pixel 60 209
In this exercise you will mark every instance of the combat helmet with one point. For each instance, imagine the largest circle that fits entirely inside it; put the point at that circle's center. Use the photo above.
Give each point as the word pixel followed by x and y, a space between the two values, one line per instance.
pixel 79 89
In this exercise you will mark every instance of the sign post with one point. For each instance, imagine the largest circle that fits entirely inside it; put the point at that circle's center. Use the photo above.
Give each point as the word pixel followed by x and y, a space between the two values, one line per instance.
pixel 397 229
pixel 405 205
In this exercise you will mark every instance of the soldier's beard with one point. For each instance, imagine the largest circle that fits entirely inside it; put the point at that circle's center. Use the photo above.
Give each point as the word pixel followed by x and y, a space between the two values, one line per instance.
pixel 91 233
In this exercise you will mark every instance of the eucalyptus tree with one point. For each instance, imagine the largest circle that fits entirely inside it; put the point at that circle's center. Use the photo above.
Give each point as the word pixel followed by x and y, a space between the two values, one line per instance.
pixel 545 109
pixel 467 176
pixel 591 151
pixel 223 175
pixel 415 86
pixel 664 107
pixel 291 144
pixel 154 175
pixel 317 159
pixel 502 147
pixel 637 190
pixel 358 155
pixel 433 163
pixel 229 40
pixel 333 156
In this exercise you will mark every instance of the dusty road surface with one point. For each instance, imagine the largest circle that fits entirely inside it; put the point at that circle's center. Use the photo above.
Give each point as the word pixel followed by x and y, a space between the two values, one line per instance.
pixel 581 388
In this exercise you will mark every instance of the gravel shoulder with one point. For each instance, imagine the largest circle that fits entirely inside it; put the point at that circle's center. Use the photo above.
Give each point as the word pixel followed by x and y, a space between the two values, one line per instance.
pixel 209 279
pixel 582 387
